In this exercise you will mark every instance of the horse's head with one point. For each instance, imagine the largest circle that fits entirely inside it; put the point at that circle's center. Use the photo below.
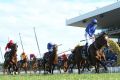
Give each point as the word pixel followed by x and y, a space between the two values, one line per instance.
pixel 14 47
pixel 55 48
pixel 102 40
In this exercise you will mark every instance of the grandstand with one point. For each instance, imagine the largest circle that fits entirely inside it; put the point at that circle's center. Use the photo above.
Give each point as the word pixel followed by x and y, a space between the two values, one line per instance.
pixel 108 19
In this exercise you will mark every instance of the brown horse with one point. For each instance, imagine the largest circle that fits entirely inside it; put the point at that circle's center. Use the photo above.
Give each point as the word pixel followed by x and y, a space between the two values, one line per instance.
pixel 50 60
pixel 23 64
pixel 77 56
pixel 10 62
pixel 96 55
pixel 34 65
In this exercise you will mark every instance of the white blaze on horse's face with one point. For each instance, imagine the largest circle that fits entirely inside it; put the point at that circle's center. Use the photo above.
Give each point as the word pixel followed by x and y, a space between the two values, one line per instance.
pixel 106 38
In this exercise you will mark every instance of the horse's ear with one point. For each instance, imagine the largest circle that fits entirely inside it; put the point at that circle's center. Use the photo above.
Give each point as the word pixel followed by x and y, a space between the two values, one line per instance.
pixel 106 37
pixel 104 33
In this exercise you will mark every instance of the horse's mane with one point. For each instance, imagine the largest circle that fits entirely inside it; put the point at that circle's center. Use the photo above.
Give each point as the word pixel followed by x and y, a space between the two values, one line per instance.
pixel 100 40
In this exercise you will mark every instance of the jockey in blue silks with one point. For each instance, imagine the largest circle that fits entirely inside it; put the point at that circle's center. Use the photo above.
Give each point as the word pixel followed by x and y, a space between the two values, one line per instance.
pixel 90 29
pixel 89 33
pixel 50 47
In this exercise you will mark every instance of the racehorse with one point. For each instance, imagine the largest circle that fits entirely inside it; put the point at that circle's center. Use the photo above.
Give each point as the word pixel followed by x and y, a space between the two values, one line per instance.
pixel 50 60
pixel 23 65
pixel 70 63
pixel 40 64
pixel 10 62
pixel 75 59
pixel 34 64
pixel 96 55
pixel 62 62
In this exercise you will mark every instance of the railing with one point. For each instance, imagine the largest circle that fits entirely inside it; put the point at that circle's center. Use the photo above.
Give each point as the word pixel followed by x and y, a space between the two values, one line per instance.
pixel 115 31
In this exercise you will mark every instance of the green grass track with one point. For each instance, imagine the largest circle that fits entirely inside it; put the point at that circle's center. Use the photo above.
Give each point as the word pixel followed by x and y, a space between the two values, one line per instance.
pixel 101 76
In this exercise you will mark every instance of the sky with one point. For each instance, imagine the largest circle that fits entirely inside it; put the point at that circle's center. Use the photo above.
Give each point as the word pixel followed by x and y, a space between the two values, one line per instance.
pixel 49 19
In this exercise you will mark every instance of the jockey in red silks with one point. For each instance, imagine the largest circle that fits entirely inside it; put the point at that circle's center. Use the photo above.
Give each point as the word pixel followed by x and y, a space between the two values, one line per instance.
pixel 8 48
pixel 64 57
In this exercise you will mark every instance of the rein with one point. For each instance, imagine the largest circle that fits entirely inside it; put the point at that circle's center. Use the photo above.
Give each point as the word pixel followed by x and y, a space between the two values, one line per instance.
pixel 95 46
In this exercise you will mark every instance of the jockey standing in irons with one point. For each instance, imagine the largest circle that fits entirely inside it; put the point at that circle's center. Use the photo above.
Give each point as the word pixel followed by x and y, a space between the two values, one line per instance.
pixel 89 32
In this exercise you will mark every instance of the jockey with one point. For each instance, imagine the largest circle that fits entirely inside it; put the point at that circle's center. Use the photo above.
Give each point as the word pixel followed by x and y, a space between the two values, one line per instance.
pixel 23 57
pixel 50 47
pixel 89 34
pixel 8 48
pixel 32 56
pixel 64 57
pixel 90 30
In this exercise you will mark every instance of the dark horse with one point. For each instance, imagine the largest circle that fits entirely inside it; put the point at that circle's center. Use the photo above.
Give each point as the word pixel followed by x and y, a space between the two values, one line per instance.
pixel 50 60
pixel 10 62
pixel 34 65
pixel 75 58
pixel 70 63
pixel 96 55
pixel 23 65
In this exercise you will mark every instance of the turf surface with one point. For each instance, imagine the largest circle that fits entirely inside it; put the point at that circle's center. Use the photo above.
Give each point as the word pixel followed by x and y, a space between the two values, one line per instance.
pixel 102 76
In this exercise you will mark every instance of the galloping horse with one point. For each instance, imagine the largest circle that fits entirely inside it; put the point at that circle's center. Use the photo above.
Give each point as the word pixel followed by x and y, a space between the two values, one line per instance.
pixel 75 58
pixel 50 60
pixel 62 61
pixel 34 64
pixel 10 62
pixel 70 63
pixel 96 55
pixel 23 64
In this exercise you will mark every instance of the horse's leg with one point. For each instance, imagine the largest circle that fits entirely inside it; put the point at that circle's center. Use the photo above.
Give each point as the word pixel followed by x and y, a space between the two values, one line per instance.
pixel 82 65
pixel 88 65
pixel 30 68
pixel 9 69
pixel 97 67
pixel 78 66
pixel 104 65
pixel 25 67
pixel 44 67
pixel 4 71
pixel 71 68
pixel 68 65
pixel 52 67
pixel 4 68
pixel 18 70
pixel 15 68
pixel 59 67
pixel 35 68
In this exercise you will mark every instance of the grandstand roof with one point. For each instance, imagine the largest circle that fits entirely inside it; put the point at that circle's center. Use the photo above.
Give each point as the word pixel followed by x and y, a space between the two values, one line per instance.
pixel 108 16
